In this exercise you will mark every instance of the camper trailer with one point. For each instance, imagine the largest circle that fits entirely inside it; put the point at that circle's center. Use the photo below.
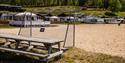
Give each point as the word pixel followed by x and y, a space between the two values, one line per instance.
pixel 27 18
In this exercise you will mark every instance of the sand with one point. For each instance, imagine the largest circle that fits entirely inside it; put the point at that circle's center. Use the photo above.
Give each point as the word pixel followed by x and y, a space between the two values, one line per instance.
pixel 99 38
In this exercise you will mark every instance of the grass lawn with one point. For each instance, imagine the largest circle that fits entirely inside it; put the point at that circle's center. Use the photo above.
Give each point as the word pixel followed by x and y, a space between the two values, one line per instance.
pixel 121 13
pixel 93 12
pixel 75 55
pixel 6 26
pixel 55 10
pixel 59 9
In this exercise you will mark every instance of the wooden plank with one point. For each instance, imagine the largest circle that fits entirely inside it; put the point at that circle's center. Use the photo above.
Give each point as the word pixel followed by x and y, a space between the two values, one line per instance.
pixel 29 48
pixel 6 44
pixel 54 54
pixel 39 44
pixel 31 39
pixel 23 52
pixel 10 40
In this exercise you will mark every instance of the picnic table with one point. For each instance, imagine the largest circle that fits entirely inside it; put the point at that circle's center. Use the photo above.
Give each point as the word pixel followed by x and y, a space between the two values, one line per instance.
pixel 48 43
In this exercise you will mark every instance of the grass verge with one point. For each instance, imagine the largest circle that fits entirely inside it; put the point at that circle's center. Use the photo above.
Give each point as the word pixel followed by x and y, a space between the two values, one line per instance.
pixel 75 55
pixel 55 10
pixel 6 26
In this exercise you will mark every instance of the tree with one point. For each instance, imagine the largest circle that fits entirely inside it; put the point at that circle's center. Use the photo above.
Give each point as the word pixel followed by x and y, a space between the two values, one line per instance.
pixel 13 2
pixel 99 3
pixel 123 4
pixel 75 2
pixel 105 4
pixel 114 5
pixel 82 2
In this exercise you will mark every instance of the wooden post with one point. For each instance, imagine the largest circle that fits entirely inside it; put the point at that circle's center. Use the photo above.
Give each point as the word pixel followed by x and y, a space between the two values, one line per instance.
pixel 31 25
pixel 59 46
pixel 74 31
pixel 66 34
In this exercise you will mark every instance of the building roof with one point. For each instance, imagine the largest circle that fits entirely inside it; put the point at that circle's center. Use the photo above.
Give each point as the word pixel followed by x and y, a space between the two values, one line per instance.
pixel 71 17
pixel 54 17
pixel 26 13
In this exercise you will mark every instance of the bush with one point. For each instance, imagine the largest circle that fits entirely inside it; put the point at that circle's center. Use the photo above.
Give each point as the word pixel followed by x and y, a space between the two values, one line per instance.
pixel 110 14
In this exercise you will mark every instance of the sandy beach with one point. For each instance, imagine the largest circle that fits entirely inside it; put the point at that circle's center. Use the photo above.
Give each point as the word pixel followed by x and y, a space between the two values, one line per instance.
pixel 99 38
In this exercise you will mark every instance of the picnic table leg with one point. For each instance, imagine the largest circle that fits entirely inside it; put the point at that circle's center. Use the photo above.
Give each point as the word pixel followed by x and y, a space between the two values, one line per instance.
pixel 60 56
pixel 29 43
pixel 49 51
pixel 59 46
pixel 49 48
pixel 17 44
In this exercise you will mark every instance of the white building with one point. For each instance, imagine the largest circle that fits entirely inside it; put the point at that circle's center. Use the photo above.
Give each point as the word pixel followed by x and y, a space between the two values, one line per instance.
pixel 90 19
pixel 54 19
pixel 94 20
pixel 28 18
pixel 7 16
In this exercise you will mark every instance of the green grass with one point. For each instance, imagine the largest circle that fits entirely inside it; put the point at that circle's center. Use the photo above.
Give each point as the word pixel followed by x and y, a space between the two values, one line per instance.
pixel 121 13
pixel 66 9
pixel 94 12
pixel 55 10
pixel 75 55
pixel 6 26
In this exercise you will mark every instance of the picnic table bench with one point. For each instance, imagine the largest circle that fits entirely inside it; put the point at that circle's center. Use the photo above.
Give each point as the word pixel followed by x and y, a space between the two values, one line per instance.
pixel 48 43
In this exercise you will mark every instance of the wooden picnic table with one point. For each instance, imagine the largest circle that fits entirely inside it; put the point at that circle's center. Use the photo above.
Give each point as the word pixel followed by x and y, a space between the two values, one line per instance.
pixel 31 39
pixel 48 43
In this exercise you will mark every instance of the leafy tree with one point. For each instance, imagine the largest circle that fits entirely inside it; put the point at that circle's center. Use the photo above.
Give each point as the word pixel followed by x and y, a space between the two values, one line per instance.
pixel 114 5
pixel 123 4
pixel 13 2
pixel 82 2
pixel 76 2
pixel 99 3
pixel 105 4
